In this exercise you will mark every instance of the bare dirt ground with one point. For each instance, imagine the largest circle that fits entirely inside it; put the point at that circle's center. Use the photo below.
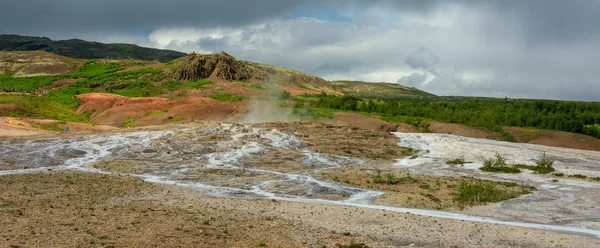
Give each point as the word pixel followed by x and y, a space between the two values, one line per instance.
pixel 57 209
pixel 87 209
pixel 554 138
pixel 412 190
pixel 114 110
pixel 260 173
pixel 460 130
pixel 360 121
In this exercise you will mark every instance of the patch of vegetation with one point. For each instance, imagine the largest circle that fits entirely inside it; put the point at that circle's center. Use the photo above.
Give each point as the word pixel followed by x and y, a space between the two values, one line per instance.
pixel 196 84
pixel 175 118
pixel 29 84
pixel 578 176
pixel 458 161
pixel 489 113
pixel 543 165
pixel 229 98
pixel 352 245
pixel 558 174
pixel 283 95
pixel 129 122
pixel 498 164
pixel 50 126
pixel 390 179
pixel 40 108
pixel 470 192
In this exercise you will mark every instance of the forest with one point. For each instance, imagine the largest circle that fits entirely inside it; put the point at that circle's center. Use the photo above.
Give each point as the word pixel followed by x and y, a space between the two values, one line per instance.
pixel 489 113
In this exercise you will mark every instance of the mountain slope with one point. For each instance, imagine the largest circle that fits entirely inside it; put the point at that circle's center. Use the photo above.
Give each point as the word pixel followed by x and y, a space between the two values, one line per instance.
pixel 380 90
pixel 75 48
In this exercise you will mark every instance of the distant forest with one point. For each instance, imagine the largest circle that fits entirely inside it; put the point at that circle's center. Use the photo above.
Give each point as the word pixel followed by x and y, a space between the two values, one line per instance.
pixel 489 113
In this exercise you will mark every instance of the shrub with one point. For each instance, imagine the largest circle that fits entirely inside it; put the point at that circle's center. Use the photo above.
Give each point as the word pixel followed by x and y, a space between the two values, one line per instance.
pixel 578 176
pixel 284 95
pixel 458 161
pixel 390 179
pixel 481 191
pixel 498 164
pixel 544 165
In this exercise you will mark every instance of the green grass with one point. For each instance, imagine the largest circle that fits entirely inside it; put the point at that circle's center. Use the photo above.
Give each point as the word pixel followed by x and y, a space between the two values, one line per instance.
pixel 40 108
pixel 196 84
pixel 229 98
pixel 472 192
pixel 50 126
pixel 29 84
pixel 543 165
pixel 391 179
pixel 94 68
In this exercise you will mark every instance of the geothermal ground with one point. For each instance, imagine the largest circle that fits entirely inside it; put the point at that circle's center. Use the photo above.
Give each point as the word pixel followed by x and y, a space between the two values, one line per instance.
pixel 285 185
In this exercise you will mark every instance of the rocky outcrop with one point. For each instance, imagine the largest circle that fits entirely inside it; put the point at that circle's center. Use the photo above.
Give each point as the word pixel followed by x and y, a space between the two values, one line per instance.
pixel 219 66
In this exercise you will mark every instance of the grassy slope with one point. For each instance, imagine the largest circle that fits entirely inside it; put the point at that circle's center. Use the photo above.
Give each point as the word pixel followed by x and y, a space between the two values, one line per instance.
pixel 85 49
pixel 132 78
pixel 381 90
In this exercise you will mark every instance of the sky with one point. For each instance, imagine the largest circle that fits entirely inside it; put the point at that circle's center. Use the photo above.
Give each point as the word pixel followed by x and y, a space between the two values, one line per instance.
pixel 544 49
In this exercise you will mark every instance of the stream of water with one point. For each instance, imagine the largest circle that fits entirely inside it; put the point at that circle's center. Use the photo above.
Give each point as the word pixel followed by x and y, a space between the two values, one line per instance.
pixel 170 149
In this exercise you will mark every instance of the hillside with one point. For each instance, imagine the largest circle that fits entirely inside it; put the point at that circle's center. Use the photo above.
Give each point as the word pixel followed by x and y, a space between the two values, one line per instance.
pixel 380 90
pixel 81 49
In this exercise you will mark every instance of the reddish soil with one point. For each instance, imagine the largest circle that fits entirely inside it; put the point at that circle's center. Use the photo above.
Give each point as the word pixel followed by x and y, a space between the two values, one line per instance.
pixel 360 121
pixel 114 110
pixel 460 130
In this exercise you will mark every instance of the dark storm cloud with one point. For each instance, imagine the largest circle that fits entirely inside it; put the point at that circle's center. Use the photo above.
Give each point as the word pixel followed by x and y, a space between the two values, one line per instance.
pixel 30 16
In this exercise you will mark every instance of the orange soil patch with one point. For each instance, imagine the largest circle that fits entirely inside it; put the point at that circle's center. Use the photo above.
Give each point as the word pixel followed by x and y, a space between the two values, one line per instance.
pixel 12 127
pixel 75 126
pixel 114 110
pixel 554 138
pixel 460 130
pixel 360 121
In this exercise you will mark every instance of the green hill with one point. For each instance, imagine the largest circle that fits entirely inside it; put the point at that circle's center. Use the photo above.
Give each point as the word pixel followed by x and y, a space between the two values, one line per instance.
pixel 381 90
pixel 81 49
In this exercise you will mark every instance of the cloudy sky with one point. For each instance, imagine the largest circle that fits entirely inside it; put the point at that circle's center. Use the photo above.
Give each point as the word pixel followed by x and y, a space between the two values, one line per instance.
pixel 514 48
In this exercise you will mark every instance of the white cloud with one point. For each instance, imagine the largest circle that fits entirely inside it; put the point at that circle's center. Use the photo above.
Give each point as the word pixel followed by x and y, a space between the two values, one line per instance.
pixel 450 51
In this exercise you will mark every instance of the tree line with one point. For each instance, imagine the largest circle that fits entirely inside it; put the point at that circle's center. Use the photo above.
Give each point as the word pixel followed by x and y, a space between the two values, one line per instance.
pixel 490 113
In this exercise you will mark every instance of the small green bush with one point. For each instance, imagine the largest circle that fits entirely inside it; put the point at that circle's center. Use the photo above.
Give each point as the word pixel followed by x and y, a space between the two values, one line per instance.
pixel 284 95
pixel 482 191
pixel 498 164
pixel 578 176
pixel 458 161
